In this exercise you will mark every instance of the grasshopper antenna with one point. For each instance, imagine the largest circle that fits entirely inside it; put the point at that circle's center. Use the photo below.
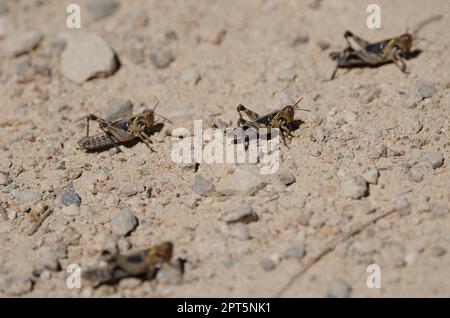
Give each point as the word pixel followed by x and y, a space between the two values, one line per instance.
pixel 298 108
pixel 419 26
pixel 154 107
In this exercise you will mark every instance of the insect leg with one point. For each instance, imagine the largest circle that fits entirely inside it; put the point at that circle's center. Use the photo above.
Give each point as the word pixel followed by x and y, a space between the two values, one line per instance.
pixel 400 62
pixel 146 140
pixel 359 41
pixel 250 114
pixel 108 134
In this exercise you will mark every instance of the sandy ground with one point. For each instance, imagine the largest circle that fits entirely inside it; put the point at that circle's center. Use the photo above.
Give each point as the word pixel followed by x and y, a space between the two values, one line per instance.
pixel 269 55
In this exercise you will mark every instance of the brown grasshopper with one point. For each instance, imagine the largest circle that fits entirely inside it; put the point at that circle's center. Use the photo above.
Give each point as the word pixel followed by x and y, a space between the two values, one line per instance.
pixel 365 54
pixel 142 264
pixel 119 131
pixel 282 119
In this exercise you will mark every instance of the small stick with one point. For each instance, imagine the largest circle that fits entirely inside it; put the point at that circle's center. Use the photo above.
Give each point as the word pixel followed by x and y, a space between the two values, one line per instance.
pixel 3 213
pixel 330 248
pixel 40 220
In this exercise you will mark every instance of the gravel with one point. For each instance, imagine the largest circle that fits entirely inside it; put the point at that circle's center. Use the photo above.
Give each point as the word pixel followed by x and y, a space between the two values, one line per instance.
pixel 202 185
pixel 102 8
pixel 123 222
pixel 70 197
pixel 339 288
pixel 87 56
pixel 354 187
pixel 161 58
pixel 432 159
pixel 119 108
pixel 426 89
pixel 240 183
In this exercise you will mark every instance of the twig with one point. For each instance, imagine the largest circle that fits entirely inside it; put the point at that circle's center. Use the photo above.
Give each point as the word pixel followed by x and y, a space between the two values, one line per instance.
pixel 40 220
pixel 3 213
pixel 330 248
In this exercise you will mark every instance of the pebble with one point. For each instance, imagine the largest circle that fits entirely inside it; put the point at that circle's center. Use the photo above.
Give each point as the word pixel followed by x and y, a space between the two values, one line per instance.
pixel 425 89
pixel 339 288
pixel 239 231
pixel 439 210
pixel 371 174
pixel 371 95
pixel 354 187
pixel 202 185
pixel 27 197
pixel 297 251
pixel 240 183
pixel 242 213
pixel 298 38
pixel 170 274
pixel 416 174
pixel 87 56
pixel 432 159
pixel 191 76
pixel 286 177
pixel 438 251
pixel 323 45
pixel 267 264
pixel 23 42
pixel 16 285
pixel 132 190
pixel 119 108
pixel 71 210
pixel 102 8
pixel 123 222
pixel 162 58
pixel 287 75
pixel 70 197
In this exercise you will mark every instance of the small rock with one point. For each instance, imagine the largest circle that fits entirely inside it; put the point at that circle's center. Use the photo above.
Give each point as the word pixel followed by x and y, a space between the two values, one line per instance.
pixel 23 42
pixel 267 264
pixel 286 177
pixel 239 231
pixel 240 183
pixel 323 45
pixel 439 210
pixel 102 8
pixel 368 246
pixel 287 75
pixel 339 288
pixel 425 89
pixel 47 260
pixel 243 213
pixel 123 222
pixel 87 56
pixel 16 285
pixel 213 35
pixel 432 159
pixel 170 274
pixel 371 95
pixel 438 251
pixel 71 210
pixel 69 197
pixel 371 174
pixel 295 251
pixel 131 190
pixel 191 76
pixel 119 108
pixel 27 198
pixel 162 58
pixel 416 174
pixel 297 39
pixel 354 187
pixel 202 185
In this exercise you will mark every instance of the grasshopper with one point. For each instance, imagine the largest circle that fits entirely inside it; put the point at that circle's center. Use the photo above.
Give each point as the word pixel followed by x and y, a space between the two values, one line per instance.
pixel 365 54
pixel 119 131
pixel 282 119
pixel 142 264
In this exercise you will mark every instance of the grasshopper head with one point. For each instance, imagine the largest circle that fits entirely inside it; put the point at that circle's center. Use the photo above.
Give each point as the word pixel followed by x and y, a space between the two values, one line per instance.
pixel 147 118
pixel 164 250
pixel 405 42
pixel 288 112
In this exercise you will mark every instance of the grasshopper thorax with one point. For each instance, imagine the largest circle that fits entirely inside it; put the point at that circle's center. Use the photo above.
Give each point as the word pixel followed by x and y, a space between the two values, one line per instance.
pixel 405 42
pixel 288 112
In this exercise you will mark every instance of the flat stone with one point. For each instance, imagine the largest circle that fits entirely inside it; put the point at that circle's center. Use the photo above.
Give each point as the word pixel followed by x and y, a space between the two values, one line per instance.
pixel 102 8
pixel 161 58
pixel 27 197
pixel 202 185
pixel 297 251
pixel 240 183
pixel 339 288
pixel 123 222
pixel 87 56
pixel 119 108
pixel 432 159
pixel 191 76
pixel 16 285
pixel 242 213
pixel 354 187
pixel 426 89
pixel 22 42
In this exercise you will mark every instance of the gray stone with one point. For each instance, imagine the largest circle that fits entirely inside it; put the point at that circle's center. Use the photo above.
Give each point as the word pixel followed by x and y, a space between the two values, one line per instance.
pixel 70 197
pixel 432 159
pixel 240 183
pixel 123 222
pixel 47 260
pixel 22 42
pixel 16 285
pixel 242 213
pixel 286 177
pixel 354 187
pixel 87 56
pixel 297 251
pixel 267 264
pixel 119 108
pixel 339 288
pixel 239 231
pixel 170 274
pixel 202 185
pixel 102 8
pixel 371 174
pixel 425 89
pixel 191 76
pixel 438 251
pixel 287 74
pixel 27 197
pixel 162 58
